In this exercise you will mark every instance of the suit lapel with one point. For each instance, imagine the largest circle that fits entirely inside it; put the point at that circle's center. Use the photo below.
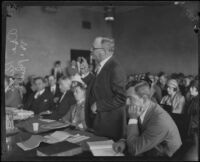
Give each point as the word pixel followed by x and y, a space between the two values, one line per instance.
pixel 148 114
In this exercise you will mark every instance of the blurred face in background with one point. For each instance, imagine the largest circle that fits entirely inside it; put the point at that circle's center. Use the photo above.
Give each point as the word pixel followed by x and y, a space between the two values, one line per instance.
pixel 79 93
pixel 64 85
pixel 194 91
pixel 163 80
pixel 170 90
pixel 40 85
pixel 52 81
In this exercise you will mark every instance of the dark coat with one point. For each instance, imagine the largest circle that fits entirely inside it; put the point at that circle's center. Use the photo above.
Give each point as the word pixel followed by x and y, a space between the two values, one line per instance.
pixel 108 91
pixel 43 103
pixel 57 92
pixel 63 107
pixel 88 79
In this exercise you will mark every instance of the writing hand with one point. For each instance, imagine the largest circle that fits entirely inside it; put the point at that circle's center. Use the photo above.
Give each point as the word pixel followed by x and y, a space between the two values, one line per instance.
pixel 119 146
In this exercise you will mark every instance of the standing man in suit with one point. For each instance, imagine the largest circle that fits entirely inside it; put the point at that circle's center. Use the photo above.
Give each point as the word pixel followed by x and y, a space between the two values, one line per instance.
pixel 105 97
pixel 66 100
pixel 150 131
pixel 57 70
pixel 54 88
pixel 41 100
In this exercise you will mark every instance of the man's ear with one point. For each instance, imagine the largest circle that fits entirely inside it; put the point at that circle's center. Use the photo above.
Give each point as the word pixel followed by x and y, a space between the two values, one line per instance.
pixel 145 98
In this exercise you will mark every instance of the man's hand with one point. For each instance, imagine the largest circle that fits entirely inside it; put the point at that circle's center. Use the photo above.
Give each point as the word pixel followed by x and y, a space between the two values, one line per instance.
pixel 94 108
pixel 119 146
pixel 134 111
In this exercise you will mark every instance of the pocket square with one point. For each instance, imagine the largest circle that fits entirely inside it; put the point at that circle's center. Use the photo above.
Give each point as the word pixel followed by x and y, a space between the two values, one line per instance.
pixel 45 100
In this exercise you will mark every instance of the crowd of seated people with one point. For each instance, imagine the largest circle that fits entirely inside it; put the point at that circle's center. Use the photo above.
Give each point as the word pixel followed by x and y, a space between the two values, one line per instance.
pixel 61 96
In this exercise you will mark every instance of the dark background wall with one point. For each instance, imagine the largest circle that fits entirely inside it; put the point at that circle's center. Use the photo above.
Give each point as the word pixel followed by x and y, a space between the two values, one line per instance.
pixel 147 39
pixel 156 39
pixel 50 36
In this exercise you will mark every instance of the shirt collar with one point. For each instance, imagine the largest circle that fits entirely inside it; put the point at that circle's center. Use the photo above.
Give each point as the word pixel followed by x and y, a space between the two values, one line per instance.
pixel 84 75
pixel 41 92
pixel 102 63
pixel 144 113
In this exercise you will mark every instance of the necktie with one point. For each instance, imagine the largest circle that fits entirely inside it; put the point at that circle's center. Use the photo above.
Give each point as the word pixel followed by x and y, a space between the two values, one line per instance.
pixel 97 69
pixel 37 95
pixel 139 125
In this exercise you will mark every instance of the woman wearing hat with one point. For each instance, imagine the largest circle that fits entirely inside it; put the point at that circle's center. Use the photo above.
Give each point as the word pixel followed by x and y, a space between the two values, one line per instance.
pixel 76 114
pixel 174 97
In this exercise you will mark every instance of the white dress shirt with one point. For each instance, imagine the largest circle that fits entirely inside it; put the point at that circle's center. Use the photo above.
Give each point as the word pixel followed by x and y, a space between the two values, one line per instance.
pixel 39 93
pixel 53 89
pixel 102 63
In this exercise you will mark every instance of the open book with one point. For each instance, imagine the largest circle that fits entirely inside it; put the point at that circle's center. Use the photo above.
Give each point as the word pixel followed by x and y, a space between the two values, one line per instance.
pixel 103 148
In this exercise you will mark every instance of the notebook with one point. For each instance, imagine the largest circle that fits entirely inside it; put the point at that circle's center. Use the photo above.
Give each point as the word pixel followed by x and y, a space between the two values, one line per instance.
pixel 103 148
pixel 64 148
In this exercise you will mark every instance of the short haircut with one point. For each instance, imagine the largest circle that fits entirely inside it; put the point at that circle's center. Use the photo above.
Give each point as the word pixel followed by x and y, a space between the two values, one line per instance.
pixel 39 78
pixel 64 78
pixel 57 62
pixel 142 89
pixel 108 43
pixel 78 84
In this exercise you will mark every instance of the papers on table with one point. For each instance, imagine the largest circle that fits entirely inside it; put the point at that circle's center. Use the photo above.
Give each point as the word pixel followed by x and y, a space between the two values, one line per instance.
pixel 47 120
pixel 31 143
pixel 77 138
pixel 103 148
pixel 55 137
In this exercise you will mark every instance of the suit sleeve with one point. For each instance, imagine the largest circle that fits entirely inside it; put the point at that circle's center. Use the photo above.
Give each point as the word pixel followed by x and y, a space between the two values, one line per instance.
pixel 150 138
pixel 117 81
pixel 68 116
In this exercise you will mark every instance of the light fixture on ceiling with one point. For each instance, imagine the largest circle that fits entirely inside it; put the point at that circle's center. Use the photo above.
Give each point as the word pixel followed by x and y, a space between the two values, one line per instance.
pixel 109 13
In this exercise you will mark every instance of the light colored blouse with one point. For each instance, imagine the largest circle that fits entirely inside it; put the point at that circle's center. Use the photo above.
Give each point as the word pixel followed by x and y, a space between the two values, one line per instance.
pixel 76 115
pixel 177 102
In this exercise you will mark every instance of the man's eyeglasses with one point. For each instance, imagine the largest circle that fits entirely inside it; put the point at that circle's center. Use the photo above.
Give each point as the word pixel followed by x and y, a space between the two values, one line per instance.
pixel 92 49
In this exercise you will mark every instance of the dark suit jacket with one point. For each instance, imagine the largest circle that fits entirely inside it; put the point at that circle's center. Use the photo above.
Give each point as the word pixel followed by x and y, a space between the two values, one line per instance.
pixel 13 98
pixel 57 92
pixel 88 79
pixel 63 107
pixel 108 91
pixel 42 103
pixel 159 134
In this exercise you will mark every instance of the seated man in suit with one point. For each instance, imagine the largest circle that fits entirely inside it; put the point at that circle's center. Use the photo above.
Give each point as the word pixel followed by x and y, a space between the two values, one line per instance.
pixel 66 100
pixel 150 130
pixel 86 75
pixel 54 88
pixel 76 114
pixel 41 100
pixel 12 94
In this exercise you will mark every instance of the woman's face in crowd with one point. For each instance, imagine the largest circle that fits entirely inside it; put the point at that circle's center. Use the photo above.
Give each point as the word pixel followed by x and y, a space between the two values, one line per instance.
pixel 194 91
pixel 170 90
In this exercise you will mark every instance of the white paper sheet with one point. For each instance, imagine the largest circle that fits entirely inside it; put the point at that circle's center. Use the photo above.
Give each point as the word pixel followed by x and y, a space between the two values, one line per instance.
pixel 103 148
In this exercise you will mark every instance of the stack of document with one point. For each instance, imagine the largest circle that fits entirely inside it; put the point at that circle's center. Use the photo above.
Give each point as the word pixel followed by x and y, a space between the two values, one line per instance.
pixel 55 137
pixel 77 138
pixel 103 148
